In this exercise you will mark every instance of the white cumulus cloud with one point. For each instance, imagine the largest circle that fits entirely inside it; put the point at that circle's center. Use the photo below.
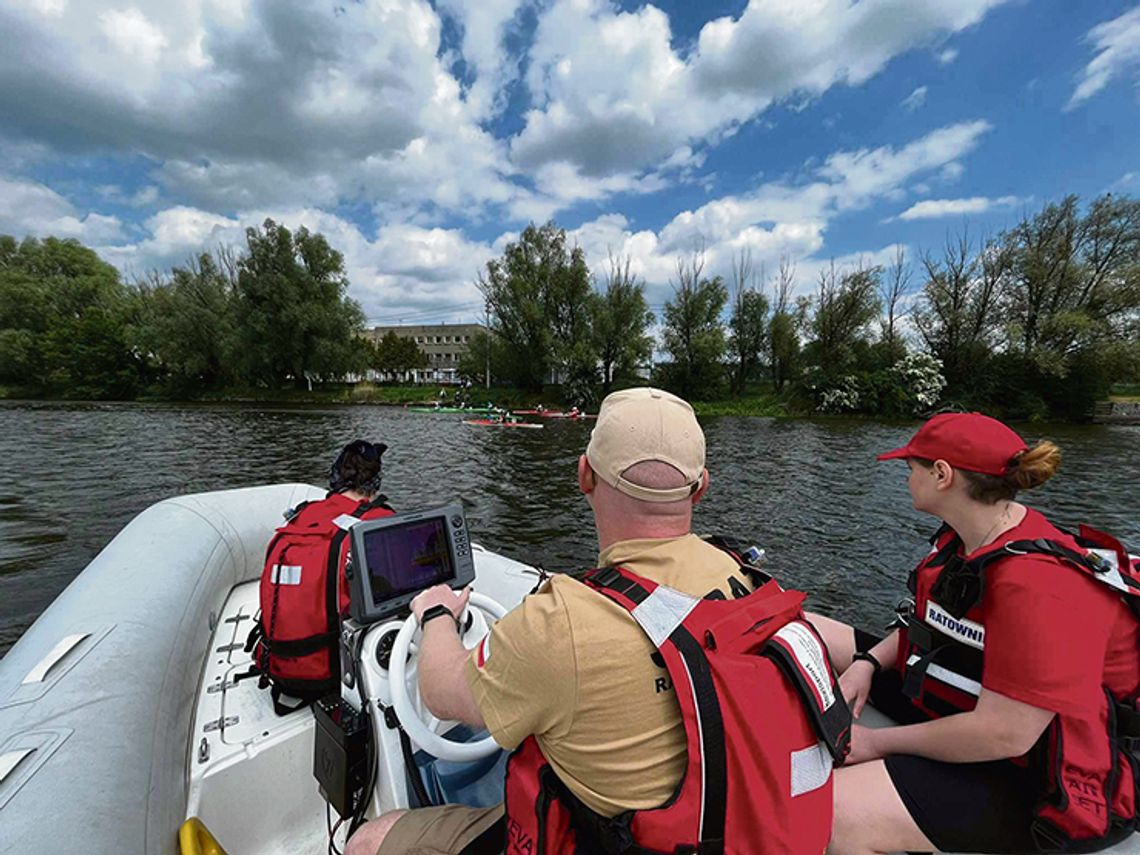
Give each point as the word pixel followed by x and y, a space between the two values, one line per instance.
pixel 1117 43
pixel 932 209
pixel 915 100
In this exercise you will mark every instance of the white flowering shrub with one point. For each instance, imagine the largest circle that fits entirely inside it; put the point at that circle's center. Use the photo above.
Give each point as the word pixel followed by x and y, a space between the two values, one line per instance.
pixel 920 377
pixel 842 396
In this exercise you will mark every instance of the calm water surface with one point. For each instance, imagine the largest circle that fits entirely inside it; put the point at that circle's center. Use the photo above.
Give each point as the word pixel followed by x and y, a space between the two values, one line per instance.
pixel 834 523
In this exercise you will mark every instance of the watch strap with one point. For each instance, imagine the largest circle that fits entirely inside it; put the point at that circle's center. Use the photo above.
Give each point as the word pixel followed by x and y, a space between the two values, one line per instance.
pixel 438 610
pixel 865 656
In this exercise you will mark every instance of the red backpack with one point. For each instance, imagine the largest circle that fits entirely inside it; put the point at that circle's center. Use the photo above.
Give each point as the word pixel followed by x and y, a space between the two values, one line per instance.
pixel 303 595
pixel 764 721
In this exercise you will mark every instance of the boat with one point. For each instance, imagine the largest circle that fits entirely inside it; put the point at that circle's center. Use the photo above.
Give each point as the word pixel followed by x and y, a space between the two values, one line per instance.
pixel 125 725
pixel 501 423
pixel 553 414
pixel 425 408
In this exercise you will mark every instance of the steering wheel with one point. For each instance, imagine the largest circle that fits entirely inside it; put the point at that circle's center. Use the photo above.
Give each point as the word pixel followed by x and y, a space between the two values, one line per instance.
pixel 417 729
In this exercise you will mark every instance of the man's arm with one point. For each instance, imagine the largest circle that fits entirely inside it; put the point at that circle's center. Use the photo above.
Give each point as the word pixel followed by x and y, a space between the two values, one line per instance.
pixel 997 729
pixel 443 687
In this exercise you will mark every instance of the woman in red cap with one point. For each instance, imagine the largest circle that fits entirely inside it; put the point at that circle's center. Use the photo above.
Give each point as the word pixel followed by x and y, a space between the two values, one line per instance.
pixel 1013 676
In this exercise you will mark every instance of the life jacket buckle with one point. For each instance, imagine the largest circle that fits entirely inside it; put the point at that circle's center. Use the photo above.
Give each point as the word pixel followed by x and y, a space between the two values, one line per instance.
pixel 606 577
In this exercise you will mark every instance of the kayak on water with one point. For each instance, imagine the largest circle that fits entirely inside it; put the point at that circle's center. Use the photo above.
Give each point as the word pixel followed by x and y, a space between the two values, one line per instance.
pixel 450 410
pixel 553 414
pixel 501 423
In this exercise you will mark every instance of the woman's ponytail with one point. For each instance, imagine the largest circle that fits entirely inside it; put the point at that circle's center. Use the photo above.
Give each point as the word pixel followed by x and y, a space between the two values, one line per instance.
pixel 1028 469
pixel 1034 467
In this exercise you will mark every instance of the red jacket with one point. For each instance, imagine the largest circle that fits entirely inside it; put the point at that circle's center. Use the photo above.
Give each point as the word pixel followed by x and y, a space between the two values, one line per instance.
pixel 764 721
pixel 1089 772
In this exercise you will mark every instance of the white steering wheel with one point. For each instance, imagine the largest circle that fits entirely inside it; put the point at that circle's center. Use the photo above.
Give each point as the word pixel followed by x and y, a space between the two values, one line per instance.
pixel 406 712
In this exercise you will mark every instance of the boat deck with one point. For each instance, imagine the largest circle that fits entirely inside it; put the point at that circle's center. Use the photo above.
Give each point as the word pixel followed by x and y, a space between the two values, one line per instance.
pixel 247 763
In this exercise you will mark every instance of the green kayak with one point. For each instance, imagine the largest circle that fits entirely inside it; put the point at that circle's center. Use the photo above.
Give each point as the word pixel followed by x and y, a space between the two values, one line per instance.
pixel 474 411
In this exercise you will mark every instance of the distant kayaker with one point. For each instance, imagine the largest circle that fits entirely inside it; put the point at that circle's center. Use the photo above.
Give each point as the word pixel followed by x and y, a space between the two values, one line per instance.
pixel 1015 679
pixel 575 680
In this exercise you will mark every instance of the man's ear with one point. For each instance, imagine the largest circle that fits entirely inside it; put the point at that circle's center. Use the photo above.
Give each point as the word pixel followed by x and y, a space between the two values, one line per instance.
pixel 586 482
pixel 703 488
pixel 943 475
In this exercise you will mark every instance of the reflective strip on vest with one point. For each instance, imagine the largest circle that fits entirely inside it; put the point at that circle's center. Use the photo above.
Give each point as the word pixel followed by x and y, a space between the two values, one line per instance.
pixel 969 632
pixel 950 678
pixel 1111 576
pixel 662 612
pixel 286 574
pixel 810 655
pixel 345 521
pixel 811 768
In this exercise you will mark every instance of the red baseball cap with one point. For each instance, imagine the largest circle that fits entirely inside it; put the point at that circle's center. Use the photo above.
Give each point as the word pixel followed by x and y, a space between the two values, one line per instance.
pixel 966 441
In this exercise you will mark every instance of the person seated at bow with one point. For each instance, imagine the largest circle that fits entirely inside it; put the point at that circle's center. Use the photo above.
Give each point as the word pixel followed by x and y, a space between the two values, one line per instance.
pixel 303 591
pixel 1014 678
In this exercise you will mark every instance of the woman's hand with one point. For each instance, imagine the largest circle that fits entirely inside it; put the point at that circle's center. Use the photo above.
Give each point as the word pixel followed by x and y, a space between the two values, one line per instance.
pixel 863 746
pixel 855 684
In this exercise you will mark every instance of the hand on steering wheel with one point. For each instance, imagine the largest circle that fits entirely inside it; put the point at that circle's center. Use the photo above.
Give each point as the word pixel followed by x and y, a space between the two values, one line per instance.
pixel 406 711
pixel 440 595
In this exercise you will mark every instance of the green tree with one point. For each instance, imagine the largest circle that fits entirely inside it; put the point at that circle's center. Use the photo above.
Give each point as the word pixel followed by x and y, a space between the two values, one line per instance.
pixel 1075 281
pixel 748 324
pixel 620 323
pixel 65 321
pixel 894 288
pixel 397 354
pixel 843 309
pixel 957 313
pixel 295 321
pixel 188 325
pixel 475 361
pixel 538 295
pixel 693 334
pixel 783 333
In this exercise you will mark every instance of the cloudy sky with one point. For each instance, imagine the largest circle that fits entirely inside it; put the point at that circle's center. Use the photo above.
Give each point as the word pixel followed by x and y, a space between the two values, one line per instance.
pixel 419 136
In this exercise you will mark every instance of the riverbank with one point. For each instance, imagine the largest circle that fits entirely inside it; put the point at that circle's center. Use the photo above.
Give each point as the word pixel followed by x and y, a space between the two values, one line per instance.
pixel 753 403
pixel 760 400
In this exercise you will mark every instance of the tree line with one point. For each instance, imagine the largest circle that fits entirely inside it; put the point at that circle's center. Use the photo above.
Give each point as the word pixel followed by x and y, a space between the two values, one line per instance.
pixel 1036 321
pixel 272 314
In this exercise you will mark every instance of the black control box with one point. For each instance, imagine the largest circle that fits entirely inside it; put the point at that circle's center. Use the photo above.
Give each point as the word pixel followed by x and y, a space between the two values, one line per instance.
pixel 340 753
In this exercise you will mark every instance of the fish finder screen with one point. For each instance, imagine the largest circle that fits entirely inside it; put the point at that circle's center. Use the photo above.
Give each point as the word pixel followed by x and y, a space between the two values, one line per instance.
pixel 407 558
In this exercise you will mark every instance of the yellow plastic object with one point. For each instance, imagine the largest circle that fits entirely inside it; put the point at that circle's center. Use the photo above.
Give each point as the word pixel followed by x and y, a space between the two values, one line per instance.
pixel 195 839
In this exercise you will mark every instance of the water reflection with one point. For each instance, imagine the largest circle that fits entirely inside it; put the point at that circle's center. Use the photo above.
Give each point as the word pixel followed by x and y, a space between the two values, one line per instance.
pixel 834 523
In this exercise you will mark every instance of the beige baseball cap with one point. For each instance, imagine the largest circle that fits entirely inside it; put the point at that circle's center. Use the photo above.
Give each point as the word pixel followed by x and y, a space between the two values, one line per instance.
pixel 636 425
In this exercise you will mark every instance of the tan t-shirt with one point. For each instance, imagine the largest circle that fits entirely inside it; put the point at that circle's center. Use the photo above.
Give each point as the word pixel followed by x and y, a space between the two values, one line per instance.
pixel 573 668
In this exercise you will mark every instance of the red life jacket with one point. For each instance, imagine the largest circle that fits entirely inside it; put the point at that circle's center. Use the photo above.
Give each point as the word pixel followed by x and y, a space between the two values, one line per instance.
pixel 764 721
pixel 1090 769
pixel 303 595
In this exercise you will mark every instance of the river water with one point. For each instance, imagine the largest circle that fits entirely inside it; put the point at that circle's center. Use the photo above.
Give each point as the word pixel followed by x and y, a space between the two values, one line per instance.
pixel 833 521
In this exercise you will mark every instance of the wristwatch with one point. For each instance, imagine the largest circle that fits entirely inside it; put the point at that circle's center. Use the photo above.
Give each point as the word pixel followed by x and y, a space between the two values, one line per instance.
pixel 438 610
pixel 861 656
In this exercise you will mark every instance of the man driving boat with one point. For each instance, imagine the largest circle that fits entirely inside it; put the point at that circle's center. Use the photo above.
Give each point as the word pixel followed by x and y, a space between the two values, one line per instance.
pixel 570 677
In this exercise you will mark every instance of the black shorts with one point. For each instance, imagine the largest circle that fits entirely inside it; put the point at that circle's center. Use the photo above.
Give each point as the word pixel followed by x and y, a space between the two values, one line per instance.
pixel 960 807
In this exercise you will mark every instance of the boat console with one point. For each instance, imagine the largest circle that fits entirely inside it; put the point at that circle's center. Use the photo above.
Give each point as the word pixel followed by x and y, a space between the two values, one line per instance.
pixel 377 747
pixel 395 558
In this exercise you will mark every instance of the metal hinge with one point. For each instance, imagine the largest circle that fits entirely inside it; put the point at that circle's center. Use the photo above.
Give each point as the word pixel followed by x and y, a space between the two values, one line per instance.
pixel 230 648
pixel 220 686
pixel 237 618
pixel 218 724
